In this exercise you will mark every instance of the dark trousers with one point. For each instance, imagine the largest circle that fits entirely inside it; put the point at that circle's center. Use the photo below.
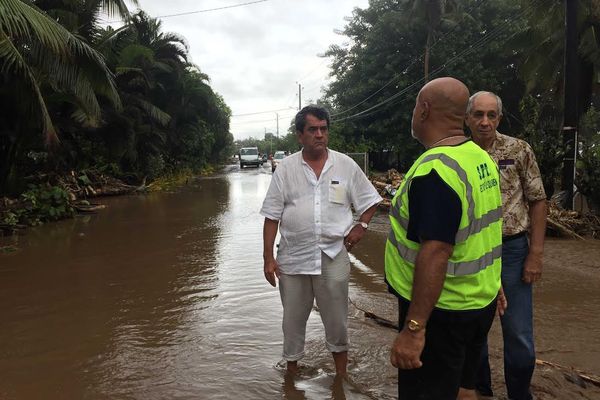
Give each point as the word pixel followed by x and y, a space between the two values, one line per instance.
pixel 453 344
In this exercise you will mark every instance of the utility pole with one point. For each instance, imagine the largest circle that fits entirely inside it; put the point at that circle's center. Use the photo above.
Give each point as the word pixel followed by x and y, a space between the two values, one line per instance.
pixel 277 114
pixel 299 96
pixel 270 141
pixel 571 106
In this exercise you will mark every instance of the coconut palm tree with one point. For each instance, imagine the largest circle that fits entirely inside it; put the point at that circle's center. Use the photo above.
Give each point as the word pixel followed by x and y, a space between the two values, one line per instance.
pixel 39 58
pixel 434 13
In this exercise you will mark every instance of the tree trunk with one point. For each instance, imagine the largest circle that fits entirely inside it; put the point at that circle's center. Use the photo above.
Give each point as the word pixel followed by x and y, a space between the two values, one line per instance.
pixel 427 50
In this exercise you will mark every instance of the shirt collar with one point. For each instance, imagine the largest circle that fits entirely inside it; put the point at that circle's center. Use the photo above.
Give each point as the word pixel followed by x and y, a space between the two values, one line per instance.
pixel 496 141
pixel 328 163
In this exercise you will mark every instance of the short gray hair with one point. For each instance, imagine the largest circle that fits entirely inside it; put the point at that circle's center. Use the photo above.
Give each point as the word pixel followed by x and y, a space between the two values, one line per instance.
pixel 476 95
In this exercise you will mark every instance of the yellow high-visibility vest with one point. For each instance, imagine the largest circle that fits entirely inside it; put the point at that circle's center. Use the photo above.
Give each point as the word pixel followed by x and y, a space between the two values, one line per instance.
pixel 473 271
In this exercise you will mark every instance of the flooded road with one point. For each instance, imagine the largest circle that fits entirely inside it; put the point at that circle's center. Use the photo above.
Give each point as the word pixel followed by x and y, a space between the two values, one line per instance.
pixel 162 296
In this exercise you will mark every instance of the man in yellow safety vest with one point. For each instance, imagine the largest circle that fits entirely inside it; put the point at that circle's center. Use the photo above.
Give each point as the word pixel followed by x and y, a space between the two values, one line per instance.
pixel 443 253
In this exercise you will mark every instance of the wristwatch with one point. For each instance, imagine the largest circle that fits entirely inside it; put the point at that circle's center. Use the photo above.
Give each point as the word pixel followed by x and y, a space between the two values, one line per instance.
pixel 414 326
pixel 363 224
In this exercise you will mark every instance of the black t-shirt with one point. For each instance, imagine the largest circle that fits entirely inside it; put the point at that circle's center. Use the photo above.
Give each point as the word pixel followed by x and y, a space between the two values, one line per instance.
pixel 434 210
pixel 434 214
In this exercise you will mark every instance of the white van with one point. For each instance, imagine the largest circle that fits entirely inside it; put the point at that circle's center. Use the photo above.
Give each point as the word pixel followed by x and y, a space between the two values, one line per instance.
pixel 249 156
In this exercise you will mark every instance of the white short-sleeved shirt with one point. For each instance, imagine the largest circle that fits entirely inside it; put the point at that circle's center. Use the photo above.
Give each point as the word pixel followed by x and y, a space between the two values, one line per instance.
pixel 315 214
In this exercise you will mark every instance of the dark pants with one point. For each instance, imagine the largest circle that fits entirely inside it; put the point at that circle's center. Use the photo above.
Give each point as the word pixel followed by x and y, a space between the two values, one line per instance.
pixel 453 343
pixel 517 327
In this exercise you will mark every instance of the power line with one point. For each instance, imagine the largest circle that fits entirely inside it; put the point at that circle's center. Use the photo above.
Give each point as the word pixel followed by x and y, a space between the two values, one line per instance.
pixel 480 43
pixel 212 9
pixel 202 11
pixel 262 120
pixel 312 70
pixel 260 112
pixel 413 62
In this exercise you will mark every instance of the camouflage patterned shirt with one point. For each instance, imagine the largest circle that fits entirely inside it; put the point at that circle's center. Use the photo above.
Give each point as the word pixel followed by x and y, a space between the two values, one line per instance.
pixel 520 181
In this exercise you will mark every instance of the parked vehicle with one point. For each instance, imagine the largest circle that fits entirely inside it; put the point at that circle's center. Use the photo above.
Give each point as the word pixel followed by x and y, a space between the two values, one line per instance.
pixel 249 156
pixel 277 157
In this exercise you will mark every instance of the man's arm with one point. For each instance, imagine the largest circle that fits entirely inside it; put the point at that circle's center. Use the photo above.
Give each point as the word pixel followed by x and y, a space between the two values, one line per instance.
pixel 532 271
pixel 430 273
pixel 357 231
pixel 271 268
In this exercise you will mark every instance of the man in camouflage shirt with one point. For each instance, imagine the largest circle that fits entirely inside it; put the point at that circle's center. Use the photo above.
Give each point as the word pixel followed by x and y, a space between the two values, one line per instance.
pixel 523 232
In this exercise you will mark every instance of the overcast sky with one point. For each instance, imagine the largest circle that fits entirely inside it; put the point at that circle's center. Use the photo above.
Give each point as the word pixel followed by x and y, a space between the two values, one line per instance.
pixel 255 54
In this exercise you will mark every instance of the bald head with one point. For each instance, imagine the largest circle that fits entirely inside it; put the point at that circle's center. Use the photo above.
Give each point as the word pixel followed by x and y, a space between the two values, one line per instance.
pixel 440 110
pixel 447 96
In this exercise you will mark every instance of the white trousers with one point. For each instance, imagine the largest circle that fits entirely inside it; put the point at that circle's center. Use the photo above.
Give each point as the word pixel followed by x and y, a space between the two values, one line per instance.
pixel 330 289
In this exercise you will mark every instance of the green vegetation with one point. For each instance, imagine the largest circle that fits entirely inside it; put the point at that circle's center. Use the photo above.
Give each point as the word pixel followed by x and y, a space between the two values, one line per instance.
pixel 39 204
pixel 76 95
pixel 512 47
pixel 125 101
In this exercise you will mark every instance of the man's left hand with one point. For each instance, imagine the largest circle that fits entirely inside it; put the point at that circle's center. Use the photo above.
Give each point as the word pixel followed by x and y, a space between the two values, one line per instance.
pixel 532 272
pixel 407 349
pixel 354 236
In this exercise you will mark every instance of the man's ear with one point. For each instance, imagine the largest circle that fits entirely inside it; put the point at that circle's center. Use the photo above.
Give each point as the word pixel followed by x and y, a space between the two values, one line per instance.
pixel 425 110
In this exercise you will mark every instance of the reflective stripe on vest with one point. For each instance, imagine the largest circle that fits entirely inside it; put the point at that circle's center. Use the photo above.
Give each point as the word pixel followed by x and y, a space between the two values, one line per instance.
pixel 475 225
pixel 456 269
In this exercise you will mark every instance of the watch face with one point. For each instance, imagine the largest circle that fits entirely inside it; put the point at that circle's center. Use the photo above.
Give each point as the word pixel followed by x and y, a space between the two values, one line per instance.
pixel 413 325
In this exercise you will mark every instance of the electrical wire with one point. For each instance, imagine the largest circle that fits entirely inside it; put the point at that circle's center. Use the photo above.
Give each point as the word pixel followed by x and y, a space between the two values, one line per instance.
pixel 260 112
pixel 201 11
pixel 412 62
pixel 477 45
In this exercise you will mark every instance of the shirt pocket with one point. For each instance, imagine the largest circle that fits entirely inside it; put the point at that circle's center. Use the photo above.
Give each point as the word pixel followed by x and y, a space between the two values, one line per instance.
pixel 337 192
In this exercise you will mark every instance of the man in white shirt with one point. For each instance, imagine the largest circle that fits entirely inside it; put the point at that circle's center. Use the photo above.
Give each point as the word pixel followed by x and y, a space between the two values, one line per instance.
pixel 309 202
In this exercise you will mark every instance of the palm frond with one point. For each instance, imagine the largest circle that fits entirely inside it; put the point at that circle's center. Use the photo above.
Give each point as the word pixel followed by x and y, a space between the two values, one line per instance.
pixel 155 113
pixel 116 7
pixel 13 62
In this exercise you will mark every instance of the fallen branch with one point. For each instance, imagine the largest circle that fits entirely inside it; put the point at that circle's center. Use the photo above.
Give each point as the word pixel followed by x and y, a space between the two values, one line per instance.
pixel 379 320
pixel 562 229
pixel 594 380
pixel 88 208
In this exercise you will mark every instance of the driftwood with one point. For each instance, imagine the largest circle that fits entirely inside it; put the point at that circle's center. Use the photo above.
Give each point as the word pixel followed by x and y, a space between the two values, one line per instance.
pixel 89 208
pixel 584 376
pixel 387 184
pixel 95 184
pixel 572 223
pixel 379 320
pixel 563 230
pixel 574 375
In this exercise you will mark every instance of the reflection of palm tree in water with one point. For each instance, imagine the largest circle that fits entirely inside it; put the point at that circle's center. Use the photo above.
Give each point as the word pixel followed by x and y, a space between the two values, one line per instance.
pixel 291 392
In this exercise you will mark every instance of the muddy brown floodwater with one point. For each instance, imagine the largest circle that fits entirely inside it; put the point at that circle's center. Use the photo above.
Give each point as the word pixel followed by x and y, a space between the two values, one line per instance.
pixel 162 296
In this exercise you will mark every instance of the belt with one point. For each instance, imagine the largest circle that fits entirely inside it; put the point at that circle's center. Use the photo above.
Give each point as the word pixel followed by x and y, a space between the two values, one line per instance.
pixel 508 238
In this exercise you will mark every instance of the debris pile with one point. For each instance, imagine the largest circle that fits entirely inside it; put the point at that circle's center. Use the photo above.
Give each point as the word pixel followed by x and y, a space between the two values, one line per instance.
pixel 561 222
pixel 51 197
pixel 572 223
pixel 94 184
pixel 387 184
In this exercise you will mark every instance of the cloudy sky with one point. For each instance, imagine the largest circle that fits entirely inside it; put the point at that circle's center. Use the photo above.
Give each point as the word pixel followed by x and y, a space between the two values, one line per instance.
pixel 255 54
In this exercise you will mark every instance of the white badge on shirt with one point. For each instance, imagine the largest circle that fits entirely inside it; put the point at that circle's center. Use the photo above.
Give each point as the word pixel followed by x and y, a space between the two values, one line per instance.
pixel 337 192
